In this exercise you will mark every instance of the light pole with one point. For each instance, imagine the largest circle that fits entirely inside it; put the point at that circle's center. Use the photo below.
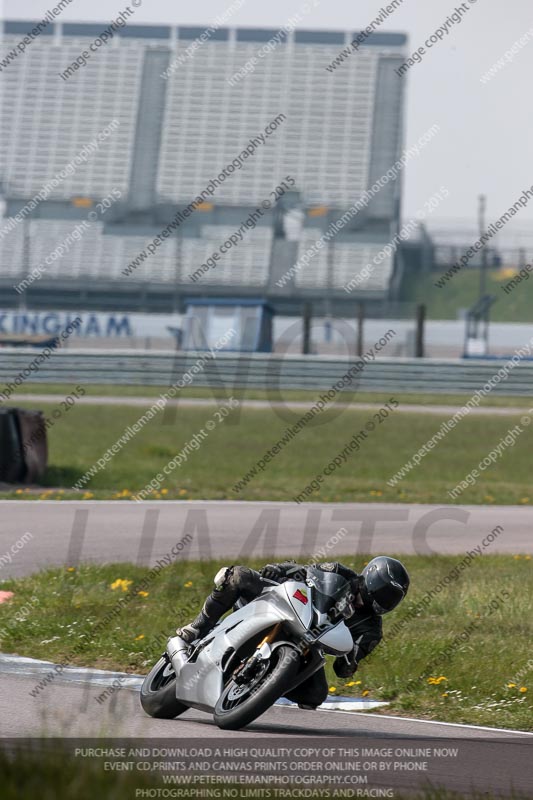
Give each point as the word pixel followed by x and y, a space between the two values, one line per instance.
pixel 484 253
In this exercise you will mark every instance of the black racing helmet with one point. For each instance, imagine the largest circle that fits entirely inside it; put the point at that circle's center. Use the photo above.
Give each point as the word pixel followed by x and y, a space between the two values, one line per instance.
pixel 384 584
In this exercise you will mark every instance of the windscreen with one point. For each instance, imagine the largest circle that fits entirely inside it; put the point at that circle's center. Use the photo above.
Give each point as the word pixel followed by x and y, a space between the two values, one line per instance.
pixel 329 588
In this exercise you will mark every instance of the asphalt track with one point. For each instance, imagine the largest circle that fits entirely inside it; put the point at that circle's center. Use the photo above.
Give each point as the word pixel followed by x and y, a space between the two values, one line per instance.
pixel 71 532
pixel 295 405
pixel 487 759
pixel 67 708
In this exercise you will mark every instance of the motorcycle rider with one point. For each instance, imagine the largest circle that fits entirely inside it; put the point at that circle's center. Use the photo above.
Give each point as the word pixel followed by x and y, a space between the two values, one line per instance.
pixel 379 588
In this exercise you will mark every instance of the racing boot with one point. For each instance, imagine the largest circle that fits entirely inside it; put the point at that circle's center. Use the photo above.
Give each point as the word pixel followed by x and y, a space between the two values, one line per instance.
pixel 196 629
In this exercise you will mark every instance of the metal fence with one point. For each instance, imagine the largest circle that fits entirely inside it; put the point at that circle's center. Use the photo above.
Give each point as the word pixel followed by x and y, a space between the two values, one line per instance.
pixel 258 371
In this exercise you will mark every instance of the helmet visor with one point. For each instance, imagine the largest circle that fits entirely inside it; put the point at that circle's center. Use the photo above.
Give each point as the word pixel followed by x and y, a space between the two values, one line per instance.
pixel 386 597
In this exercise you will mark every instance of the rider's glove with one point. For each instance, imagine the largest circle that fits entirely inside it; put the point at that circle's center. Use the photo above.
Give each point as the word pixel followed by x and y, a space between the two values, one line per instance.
pixel 272 572
pixel 345 666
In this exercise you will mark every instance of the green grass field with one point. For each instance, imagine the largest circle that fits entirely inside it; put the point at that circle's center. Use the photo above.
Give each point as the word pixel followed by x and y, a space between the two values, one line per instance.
pixel 472 682
pixel 462 291
pixel 231 449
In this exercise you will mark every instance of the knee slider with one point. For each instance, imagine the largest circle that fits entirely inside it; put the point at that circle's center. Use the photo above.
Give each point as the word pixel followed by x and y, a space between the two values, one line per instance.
pixel 221 577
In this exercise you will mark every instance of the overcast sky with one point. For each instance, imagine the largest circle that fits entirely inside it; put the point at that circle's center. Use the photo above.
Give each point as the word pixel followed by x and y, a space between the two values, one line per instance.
pixel 485 143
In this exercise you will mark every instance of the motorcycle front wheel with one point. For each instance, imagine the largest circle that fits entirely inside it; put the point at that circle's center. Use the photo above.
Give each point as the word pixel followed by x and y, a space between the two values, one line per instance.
pixel 241 703
pixel 158 692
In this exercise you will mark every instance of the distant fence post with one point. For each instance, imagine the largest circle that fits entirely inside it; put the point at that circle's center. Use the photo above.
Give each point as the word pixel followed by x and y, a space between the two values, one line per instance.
pixel 307 315
pixel 420 323
pixel 360 328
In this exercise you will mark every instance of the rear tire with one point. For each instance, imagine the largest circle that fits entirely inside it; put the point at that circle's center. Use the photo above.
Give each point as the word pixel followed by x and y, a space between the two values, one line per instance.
pixel 232 713
pixel 158 692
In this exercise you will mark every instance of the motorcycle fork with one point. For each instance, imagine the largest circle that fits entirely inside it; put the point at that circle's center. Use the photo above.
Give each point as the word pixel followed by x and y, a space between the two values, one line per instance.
pixel 246 670
pixel 269 638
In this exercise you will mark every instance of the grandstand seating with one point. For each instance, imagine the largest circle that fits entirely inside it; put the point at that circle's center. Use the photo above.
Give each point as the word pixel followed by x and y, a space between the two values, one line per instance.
pixel 246 264
pixel 324 143
pixel 104 255
pixel 327 143
pixel 349 259
pixel 101 255
pixel 47 121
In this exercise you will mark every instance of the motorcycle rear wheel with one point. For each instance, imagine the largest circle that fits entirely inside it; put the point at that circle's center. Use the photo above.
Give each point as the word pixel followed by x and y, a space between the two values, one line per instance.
pixel 158 692
pixel 238 705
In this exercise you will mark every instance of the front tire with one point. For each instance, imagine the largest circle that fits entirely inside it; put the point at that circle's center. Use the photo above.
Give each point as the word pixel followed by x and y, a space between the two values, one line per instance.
pixel 158 692
pixel 239 705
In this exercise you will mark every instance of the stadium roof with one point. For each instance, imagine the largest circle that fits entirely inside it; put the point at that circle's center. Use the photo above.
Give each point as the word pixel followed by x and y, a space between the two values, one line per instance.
pixel 381 39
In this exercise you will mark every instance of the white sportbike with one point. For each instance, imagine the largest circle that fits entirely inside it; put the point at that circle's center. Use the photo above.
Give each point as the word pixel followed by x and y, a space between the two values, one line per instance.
pixel 261 651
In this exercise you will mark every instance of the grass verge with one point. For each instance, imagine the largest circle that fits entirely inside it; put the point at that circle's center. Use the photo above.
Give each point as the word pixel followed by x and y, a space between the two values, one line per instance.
pixel 232 448
pixel 427 667
pixel 462 291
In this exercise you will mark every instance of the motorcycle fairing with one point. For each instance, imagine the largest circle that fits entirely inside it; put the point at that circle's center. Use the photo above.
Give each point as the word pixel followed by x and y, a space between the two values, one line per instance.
pixel 200 683
pixel 337 640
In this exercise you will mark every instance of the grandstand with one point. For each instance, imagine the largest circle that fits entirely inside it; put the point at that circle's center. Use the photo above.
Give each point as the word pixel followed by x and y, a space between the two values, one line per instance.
pixel 158 135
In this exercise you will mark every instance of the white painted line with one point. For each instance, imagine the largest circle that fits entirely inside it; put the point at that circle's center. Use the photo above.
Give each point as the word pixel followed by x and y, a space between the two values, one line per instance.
pixel 19 665
pixel 348 704
pixel 449 724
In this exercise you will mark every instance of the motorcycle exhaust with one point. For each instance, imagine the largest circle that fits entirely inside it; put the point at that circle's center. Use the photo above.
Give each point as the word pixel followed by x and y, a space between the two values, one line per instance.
pixel 177 652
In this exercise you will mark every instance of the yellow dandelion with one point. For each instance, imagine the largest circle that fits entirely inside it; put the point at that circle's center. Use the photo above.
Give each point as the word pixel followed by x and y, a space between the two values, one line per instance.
pixel 121 583
pixel 332 689
pixel 71 569
pixel 138 638
pixel 19 491
pixel 444 694
pixel 358 683
pixel 524 500
pixel 164 491
pixel 182 491
pixel 516 558
pixel 523 689
pixel 527 558
pixel 504 273
pixel 87 496
pixel 143 594
pixel 365 693
pixel 188 584
pixel 511 685
pixel 351 683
